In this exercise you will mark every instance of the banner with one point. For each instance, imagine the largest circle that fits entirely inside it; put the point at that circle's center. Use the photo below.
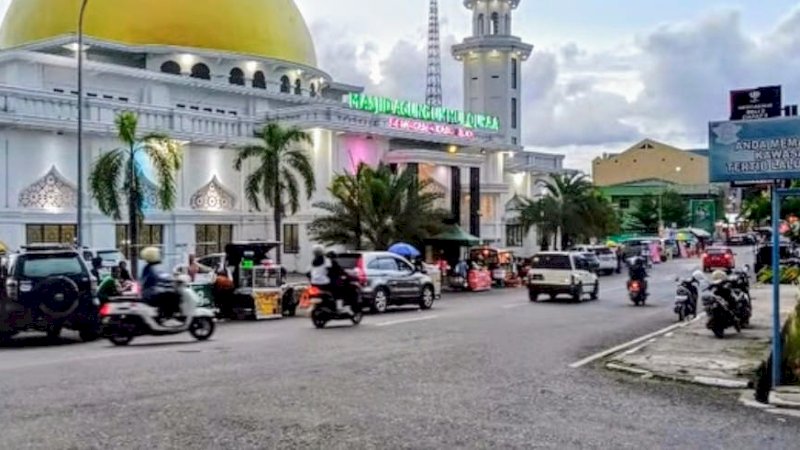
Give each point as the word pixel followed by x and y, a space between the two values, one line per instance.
pixel 759 103
pixel 704 214
pixel 754 150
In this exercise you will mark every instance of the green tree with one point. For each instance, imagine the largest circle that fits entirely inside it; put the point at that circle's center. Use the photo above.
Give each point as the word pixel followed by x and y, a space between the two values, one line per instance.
pixel 646 213
pixel 119 171
pixel 757 209
pixel 282 167
pixel 572 209
pixel 375 208
pixel 674 209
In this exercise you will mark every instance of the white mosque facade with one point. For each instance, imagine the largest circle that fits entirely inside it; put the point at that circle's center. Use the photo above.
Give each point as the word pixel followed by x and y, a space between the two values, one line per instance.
pixel 213 90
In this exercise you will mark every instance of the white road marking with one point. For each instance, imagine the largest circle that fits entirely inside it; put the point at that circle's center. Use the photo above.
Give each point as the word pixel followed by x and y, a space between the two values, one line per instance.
pixel 633 342
pixel 398 322
pixel 639 347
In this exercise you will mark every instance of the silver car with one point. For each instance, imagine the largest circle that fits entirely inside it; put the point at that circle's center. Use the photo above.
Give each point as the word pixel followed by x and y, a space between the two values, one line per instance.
pixel 387 279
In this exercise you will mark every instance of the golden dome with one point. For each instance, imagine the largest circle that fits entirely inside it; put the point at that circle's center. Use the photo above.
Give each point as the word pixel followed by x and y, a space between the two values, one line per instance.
pixel 261 28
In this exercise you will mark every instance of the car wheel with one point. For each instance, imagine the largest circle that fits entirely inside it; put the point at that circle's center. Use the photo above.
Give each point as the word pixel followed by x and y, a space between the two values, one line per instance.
pixel 120 340
pixel 426 300
pixel 533 295
pixel 553 297
pixel 54 332
pixel 596 291
pixel 381 301
pixel 577 293
pixel 289 306
pixel 89 334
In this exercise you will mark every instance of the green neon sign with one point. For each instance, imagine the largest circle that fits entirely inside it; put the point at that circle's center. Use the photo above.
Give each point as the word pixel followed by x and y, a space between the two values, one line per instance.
pixel 419 111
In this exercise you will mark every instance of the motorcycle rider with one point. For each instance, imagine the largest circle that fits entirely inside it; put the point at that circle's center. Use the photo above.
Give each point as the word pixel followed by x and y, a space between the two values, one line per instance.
pixel 638 272
pixel 328 276
pixel 158 288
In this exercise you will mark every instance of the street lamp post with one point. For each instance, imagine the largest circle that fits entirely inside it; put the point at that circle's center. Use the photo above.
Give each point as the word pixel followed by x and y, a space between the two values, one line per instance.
pixel 80 124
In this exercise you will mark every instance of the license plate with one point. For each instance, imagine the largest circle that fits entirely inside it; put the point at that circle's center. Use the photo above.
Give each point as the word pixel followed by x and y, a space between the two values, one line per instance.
pixel 537 277
pixel 681 298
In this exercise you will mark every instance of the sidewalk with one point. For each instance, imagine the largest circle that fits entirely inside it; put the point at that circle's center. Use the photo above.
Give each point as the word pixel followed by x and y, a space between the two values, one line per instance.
pixel 693 354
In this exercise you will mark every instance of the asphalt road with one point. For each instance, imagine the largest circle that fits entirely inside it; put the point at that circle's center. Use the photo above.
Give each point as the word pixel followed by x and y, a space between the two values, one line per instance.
pixel 483 370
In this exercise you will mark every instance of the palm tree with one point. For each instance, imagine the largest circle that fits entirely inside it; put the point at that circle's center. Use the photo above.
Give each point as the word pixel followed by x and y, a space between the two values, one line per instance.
pixel 571 209
pixel 282 167
pixel 375 207
pixel 119 171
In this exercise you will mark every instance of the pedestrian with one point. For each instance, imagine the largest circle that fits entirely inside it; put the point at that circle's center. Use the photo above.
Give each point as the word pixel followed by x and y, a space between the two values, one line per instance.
pixel 124 274
pixel 193 268
pixel 97 264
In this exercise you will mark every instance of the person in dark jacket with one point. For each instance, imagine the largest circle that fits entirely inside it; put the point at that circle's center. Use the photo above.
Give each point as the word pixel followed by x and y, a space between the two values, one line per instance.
pixel 158 288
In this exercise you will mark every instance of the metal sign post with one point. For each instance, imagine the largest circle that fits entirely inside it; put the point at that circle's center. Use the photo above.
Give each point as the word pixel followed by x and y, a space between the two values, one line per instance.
pixel 776 287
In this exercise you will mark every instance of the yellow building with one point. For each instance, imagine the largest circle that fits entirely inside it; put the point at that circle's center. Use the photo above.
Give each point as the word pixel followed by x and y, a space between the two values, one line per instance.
pixel 653 168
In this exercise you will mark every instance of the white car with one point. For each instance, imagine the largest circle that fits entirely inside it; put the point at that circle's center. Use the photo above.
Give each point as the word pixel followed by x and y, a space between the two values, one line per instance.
pixel 565 273
pixel 606 257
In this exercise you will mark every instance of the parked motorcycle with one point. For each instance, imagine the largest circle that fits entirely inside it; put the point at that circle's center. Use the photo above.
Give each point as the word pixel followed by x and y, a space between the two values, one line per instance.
pixel 727 305
pixel 124 318
pixel 686 296
pixel 325 308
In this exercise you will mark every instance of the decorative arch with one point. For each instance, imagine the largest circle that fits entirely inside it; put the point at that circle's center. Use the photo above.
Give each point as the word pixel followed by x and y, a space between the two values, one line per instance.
pixel 312 90
pixel 236 77
pixel 298 87
pixel 481 25
pixel 201 71
pixel 213 197
pixel 171 67
pixel 259 80
pixel 52 191
pixel 286 85
pixel 495 23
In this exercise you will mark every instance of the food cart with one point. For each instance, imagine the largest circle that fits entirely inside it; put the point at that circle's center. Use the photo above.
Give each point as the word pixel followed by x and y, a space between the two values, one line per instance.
pixel 498 262
pixel 259 289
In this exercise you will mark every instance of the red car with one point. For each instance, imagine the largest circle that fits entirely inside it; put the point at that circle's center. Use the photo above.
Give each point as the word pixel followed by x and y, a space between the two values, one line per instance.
pixel 718 258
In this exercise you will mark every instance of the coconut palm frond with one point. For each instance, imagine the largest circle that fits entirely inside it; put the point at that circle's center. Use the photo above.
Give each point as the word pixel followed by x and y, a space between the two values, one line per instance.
pixel 166 157
pixel 105 182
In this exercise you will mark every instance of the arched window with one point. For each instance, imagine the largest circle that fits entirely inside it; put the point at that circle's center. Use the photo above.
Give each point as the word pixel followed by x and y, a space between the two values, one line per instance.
pixel 312 89
pixel 286 86
pixel 236 77
pixel 508 24
pixel 481 25
pixel 298 87
pixel 171 67
pixel 201 71
pixel 495 23
pixel 259 81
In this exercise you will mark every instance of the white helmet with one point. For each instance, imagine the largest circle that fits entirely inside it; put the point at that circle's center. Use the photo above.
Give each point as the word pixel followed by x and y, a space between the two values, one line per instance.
pixel 318 250
pixel 718 277
pixel 698 276
pixel 151 255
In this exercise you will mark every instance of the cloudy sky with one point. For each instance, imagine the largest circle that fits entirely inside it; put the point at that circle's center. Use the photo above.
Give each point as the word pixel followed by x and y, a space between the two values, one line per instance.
pixel 604 73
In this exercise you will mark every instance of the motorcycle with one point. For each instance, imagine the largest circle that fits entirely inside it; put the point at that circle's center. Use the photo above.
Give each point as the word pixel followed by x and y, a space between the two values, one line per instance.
pixel 686 297
pixel 124 318
pixel 637 291
pixel 723 312
pixel 325 309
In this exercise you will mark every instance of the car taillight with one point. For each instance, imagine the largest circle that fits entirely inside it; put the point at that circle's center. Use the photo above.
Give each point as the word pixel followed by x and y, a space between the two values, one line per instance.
pixel 105 310
pixel 728 256
pixel 12 291
pixel 705 255
pixel 313 291
pixel 361 272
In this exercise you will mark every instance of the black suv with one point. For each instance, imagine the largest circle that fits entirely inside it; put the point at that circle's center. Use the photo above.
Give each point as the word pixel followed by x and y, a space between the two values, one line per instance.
pixel 48 288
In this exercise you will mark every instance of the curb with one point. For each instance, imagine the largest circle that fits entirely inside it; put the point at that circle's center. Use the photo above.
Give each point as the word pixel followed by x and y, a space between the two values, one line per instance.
pixel 703 381
pixel 629 369
pixel 725 383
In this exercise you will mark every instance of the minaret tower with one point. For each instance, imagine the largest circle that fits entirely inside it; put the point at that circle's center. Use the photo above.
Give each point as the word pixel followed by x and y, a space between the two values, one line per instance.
pixel 492 59
pixel 433 92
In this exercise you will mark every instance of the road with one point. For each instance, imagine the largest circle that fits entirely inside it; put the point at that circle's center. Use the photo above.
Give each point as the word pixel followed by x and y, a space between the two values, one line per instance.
pixel 486 370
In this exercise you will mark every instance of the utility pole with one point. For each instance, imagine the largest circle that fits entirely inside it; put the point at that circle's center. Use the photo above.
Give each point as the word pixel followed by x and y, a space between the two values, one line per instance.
pixel 433 91
pixel 79 234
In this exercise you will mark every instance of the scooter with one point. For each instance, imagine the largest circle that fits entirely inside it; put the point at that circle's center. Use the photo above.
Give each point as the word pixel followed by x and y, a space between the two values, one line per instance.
pixel 686 297
pixel 637 292
pixel 325 308
pixel 124 318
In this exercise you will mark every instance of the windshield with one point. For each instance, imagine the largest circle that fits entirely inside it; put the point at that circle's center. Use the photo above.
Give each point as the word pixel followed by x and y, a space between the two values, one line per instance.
pixel 50 265
pixel 551 262
pixel 114 256
pixel 348 261
pixel 603 251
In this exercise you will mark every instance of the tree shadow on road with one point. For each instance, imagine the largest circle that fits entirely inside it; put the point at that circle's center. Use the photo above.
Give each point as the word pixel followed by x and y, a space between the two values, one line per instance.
pixel 37 341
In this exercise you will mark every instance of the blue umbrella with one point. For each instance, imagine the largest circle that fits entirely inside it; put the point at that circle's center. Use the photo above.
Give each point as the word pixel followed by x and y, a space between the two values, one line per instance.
pixel 405 250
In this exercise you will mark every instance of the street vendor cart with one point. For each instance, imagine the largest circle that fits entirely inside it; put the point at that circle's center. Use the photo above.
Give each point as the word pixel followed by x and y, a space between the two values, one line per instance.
pixel 257 288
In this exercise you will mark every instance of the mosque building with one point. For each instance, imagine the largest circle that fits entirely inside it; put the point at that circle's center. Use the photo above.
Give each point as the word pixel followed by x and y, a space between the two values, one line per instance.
pixel 211 77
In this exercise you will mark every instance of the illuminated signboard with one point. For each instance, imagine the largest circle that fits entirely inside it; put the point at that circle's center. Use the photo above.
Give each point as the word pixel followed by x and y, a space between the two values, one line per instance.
pixel 439 129
pixel 419 111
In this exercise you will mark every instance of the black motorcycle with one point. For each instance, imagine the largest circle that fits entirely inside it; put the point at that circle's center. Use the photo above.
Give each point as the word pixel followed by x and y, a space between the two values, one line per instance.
pixel 686 298
pixel 727 306
pixel 325 309
pixel 637 291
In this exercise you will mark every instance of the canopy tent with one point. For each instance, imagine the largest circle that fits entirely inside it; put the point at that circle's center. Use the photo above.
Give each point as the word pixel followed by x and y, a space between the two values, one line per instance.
pixel 699 232
pixel 453 234
pixel 3 248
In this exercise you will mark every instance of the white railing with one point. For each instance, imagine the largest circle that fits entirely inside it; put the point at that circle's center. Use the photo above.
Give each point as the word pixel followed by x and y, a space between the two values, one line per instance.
pixel 36 108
